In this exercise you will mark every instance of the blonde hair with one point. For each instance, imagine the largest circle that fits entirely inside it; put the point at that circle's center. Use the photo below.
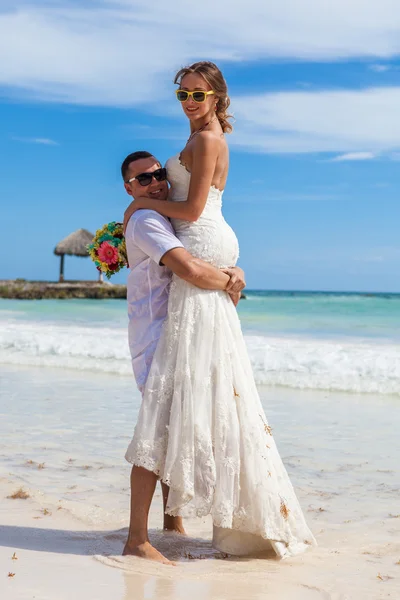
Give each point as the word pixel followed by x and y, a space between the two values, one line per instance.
pixel 213 76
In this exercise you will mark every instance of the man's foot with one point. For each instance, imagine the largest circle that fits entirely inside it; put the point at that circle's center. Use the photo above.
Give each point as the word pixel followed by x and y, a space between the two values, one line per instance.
pixel 146 550
pixel 174 524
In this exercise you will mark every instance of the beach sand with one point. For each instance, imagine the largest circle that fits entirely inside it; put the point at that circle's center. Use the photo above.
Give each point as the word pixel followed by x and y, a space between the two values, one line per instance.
pixel 63 439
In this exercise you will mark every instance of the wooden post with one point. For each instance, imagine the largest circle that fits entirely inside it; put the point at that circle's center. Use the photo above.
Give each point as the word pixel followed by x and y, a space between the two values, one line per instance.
pixel 61 279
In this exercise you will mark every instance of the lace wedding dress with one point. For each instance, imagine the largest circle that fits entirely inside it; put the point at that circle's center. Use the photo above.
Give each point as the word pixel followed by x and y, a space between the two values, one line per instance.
pixel 201 427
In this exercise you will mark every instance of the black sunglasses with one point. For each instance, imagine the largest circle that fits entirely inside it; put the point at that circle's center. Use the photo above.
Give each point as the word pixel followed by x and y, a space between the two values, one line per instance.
pixel 145 179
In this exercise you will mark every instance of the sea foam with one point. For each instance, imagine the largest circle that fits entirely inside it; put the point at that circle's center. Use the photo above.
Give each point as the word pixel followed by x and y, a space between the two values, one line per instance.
pixel 304 363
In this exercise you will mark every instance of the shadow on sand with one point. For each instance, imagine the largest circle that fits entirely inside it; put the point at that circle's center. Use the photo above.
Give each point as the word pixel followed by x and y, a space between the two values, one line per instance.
pixel 103 542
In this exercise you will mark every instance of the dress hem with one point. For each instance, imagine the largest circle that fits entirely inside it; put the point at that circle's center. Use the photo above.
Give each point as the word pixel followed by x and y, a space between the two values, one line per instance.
pixel 268 541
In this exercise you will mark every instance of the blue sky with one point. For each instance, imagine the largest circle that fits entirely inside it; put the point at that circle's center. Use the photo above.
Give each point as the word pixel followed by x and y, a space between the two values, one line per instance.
pixel 314 185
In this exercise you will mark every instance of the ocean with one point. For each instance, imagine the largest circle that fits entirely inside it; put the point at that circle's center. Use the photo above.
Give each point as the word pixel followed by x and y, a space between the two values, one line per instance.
pixel 324 341
pixel 328 374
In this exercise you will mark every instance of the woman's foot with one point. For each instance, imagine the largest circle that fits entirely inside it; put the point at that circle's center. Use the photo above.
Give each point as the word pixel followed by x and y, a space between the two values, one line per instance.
pixel 174 524
pixel 147 551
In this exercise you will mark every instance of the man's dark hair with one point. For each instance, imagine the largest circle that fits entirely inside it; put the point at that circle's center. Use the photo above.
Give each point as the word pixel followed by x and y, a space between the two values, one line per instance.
pixel 131 158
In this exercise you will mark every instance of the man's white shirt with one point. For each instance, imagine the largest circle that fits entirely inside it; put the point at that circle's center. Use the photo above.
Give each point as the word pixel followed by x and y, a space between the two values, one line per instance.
pixel 148 237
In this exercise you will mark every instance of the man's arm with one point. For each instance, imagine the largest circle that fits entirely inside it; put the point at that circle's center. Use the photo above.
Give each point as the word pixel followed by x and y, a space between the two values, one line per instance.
pixel 154 235
pixel 194 270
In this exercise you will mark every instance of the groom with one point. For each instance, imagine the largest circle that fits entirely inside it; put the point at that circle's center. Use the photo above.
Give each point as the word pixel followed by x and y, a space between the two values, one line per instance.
pixel 154 253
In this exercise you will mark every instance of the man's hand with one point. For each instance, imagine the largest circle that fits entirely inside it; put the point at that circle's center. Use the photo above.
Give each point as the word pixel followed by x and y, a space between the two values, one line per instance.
pixel 237 281
pixel 235 298
pixel 135 205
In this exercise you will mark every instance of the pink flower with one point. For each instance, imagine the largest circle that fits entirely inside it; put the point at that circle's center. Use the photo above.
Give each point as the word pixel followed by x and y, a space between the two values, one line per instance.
pixel 107 253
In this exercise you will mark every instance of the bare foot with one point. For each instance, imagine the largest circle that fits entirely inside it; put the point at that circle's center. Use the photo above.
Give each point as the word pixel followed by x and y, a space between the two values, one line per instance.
pixel 174 524
pixel 146 550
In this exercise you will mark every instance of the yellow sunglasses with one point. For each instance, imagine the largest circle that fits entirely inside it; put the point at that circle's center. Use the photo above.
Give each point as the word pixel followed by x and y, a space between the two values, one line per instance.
pixel 198 96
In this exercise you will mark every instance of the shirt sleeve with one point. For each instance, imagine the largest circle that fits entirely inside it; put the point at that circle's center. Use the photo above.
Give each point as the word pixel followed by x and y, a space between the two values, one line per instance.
pixel 154 235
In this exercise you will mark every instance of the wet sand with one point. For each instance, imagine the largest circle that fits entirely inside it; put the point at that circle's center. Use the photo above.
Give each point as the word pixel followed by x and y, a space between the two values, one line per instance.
pixel 63 440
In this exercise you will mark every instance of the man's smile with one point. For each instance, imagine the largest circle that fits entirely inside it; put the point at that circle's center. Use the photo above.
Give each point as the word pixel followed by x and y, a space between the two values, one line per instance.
pixel 155 193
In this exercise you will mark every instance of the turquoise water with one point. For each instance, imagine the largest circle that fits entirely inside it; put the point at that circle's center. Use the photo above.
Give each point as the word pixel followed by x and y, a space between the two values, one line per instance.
pixel 333 341
pixel 323 314
pixel 287 313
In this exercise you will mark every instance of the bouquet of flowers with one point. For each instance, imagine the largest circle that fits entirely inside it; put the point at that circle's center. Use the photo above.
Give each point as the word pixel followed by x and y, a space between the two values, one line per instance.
pixel 108 249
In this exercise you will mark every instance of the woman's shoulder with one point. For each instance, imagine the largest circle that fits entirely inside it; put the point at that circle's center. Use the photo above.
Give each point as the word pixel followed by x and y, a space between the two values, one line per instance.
pixel 210 134
pixel 209 141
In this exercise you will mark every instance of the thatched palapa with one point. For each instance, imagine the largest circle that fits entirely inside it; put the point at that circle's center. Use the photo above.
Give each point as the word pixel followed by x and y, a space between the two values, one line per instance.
pixel 74 244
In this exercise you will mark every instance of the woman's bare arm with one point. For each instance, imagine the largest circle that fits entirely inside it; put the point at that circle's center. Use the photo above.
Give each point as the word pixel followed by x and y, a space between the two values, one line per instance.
pixel 204 159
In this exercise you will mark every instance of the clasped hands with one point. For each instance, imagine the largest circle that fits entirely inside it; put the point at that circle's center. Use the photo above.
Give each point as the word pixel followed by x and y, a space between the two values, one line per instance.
pixel 237 281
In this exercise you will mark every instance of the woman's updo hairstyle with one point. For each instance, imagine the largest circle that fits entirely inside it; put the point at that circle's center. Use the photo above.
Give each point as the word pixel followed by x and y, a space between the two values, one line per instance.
pixel 213 76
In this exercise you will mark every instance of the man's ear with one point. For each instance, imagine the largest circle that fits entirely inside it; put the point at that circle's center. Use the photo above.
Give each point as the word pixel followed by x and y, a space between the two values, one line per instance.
pixel 128 189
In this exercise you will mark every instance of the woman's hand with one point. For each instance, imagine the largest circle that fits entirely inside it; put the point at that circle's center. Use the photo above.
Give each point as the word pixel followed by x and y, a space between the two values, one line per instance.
pixel 135 205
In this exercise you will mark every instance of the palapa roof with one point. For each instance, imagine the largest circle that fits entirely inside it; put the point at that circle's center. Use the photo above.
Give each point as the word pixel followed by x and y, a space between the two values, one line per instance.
pixel 75 243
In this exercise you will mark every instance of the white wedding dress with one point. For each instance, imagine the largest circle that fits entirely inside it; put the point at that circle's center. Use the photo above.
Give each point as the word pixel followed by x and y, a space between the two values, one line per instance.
pixel 201 427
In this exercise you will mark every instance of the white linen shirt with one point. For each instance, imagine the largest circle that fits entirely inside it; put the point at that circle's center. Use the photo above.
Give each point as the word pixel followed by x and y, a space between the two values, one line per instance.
pixel 148 237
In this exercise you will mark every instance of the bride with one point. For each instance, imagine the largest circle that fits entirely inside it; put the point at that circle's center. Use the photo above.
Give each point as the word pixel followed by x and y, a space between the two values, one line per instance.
pixel 201 427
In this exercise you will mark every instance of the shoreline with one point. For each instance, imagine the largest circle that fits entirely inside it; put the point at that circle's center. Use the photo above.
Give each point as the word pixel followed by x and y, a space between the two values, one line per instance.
pixel 25 289
pixel 22 289
pixel 63 442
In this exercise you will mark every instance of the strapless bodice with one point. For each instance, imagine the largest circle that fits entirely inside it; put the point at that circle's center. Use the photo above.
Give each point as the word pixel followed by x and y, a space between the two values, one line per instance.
pixel 210 237
pixel 179 180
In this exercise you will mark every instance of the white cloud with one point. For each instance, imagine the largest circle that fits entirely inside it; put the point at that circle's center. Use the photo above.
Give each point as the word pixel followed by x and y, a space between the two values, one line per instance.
pixel 45 141
pixel 379 68
pixel 384 68
pixel 380 254
pixel 42 141
pixel 348 121
pixel 110 52
pixel 125 52
pixel 354 156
